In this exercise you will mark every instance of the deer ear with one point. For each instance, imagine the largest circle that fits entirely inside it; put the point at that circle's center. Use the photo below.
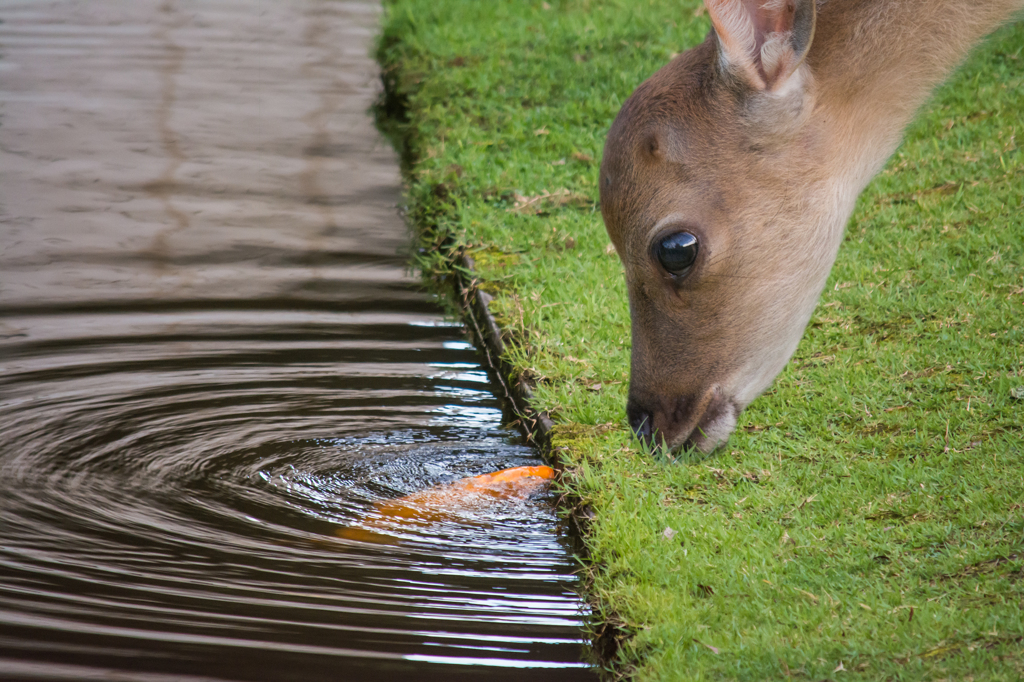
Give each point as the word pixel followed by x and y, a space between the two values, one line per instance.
pixel 762 41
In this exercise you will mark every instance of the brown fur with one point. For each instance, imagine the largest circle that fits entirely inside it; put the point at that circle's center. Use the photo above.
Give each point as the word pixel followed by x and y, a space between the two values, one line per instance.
pixel 763 166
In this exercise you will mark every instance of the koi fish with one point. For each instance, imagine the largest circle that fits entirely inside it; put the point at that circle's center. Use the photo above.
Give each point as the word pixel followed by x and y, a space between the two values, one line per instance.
pixel 449 502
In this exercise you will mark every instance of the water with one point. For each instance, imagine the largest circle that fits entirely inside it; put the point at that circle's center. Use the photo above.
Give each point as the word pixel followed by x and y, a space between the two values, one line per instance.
pixel 212 358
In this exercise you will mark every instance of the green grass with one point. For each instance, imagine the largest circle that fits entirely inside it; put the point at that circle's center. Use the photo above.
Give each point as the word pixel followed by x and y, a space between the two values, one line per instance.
pixel 869 510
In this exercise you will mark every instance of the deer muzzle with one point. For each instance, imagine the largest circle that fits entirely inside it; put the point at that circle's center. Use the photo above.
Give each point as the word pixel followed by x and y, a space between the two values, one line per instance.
pixel 699 422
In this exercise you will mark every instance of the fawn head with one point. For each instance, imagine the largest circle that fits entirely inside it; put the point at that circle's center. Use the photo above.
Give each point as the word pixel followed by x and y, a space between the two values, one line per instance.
pixel 715 192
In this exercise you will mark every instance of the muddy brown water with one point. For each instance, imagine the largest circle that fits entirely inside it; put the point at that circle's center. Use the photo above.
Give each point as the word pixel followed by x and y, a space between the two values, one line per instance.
pixel 213 356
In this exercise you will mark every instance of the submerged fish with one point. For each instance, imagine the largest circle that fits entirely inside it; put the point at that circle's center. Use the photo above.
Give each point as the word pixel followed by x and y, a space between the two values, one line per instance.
pixel 450 502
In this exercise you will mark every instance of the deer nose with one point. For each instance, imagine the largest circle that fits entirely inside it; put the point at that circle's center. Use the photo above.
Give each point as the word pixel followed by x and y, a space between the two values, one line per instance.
pixel 639 420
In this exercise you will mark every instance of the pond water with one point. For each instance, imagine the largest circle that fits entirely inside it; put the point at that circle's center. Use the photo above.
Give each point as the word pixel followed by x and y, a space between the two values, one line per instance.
pixel 213 358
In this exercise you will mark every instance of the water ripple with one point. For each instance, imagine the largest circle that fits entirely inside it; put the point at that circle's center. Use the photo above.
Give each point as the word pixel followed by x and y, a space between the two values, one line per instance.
pixel 213 358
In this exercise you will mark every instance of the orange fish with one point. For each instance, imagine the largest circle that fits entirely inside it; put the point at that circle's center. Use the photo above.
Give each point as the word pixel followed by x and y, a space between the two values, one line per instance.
pixel 449 502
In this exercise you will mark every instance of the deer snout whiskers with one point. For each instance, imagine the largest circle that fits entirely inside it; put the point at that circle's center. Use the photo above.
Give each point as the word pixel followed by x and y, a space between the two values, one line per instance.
pixel 683 422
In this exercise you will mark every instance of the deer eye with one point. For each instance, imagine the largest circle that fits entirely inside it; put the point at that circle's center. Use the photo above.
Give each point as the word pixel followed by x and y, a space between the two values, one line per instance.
pixel 677 253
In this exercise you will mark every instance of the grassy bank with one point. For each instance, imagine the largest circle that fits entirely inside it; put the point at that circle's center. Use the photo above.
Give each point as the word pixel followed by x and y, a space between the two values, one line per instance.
pixel 866 521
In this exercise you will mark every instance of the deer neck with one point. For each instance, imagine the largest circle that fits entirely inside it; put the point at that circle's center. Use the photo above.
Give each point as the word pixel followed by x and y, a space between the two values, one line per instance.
pixel 875 62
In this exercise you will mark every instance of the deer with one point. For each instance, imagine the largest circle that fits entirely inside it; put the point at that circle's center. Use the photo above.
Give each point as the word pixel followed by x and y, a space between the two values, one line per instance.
pixel 728 178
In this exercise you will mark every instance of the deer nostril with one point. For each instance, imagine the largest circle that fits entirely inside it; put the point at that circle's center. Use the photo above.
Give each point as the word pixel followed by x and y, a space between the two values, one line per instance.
pixel 639 420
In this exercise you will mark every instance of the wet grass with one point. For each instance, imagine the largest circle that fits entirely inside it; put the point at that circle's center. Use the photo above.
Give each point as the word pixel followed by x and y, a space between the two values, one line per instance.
pixel 866 521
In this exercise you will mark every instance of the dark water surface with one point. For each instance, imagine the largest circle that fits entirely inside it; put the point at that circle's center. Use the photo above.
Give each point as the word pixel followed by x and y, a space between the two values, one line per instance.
pixel 212 358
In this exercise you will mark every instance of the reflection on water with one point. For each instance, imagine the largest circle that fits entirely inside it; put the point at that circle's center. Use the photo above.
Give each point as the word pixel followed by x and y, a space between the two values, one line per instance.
pixel 212 358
